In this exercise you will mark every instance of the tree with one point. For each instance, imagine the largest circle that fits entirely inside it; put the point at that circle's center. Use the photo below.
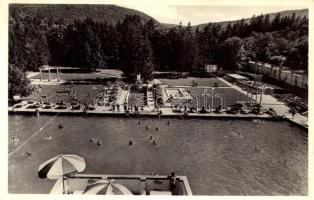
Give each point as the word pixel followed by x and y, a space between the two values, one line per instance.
pixel 278 60
pixel 302 47
pixel 135 51
pixel 276 23
pixel 35 40
pixel 57 46
pixel 230 53
pixel 145 64
pixel 266 24
pixel 190 49
pixel 110 38
pixel 261 44
pixel 28 47
pixel 248 45
pixel 175 46
pixel 92 46
pixel 207 41
pixel 298 54
pixel 18 82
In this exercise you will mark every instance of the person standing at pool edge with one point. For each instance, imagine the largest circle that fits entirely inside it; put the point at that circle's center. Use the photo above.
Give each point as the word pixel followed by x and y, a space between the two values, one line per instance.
pixel 173 180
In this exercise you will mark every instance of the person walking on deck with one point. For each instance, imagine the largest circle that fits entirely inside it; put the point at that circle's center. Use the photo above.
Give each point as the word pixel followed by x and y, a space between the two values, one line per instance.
pixel 293 112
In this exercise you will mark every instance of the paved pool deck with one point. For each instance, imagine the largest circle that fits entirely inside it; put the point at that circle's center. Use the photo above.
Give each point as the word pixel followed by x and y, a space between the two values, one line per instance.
pixel 269 101
pixel 166 113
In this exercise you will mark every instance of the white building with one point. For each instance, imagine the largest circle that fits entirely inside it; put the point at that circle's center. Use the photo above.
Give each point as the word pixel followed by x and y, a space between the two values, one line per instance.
pixel 210 68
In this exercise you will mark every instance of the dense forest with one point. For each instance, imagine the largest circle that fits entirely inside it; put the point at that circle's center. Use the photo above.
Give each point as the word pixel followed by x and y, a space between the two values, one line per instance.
pixel 67 13
pixel 141 46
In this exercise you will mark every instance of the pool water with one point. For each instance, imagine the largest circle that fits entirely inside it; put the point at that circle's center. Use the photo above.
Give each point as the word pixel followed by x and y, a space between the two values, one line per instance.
pixel 219 157
pixel 174 92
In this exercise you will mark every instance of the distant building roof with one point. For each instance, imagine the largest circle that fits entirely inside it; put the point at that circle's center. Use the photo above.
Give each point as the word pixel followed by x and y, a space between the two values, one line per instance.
pixel 46 67
pixel 237 76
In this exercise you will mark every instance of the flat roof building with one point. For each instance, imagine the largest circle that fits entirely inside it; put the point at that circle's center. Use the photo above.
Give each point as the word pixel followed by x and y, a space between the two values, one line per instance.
pixel 235 77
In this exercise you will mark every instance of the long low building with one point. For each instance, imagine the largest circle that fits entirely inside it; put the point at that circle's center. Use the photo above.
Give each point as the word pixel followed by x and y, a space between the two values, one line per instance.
pixel 290 77
pixel 235 77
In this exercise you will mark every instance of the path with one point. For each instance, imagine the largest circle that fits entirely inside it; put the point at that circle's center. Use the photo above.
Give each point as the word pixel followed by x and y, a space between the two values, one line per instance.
pixel 150 100
pixel 43 82
pixel 46 82
pixel 186 86
pixel 31 74
pixel 269 101
pixel 123 97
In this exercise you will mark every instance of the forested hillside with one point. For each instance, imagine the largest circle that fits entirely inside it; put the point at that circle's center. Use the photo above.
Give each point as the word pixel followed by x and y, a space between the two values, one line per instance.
pixel 136 45
pixel 287 13
pixel 67 13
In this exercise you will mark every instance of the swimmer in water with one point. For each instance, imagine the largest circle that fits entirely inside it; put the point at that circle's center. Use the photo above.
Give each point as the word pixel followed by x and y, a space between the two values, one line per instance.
pixel 15 140
pixel 60 126
pixel 256 148
pixel 99 143
pixel 139 122
pixel 131 142
pixel 156 128
pixel 168 123
pixel 28 153
pixel 154 142
pixel 151 137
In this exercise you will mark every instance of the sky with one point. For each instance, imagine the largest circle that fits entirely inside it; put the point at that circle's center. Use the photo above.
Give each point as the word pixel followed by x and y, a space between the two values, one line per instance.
pixel 198 14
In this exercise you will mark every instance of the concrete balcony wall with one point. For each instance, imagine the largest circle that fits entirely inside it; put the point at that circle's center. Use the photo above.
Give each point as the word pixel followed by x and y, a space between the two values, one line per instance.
pixel 261 67
pixel 284 75
pixel 278 73
pixel 305 82
pixel 288 78
pixel 298 80
pixel 267 70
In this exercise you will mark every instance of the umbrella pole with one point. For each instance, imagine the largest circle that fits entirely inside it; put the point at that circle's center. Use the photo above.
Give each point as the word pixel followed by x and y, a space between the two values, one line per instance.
pixel 63 184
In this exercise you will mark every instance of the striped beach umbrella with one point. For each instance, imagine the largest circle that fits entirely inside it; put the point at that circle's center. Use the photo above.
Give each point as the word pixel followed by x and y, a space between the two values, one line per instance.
pixel 107 187
pixel 61 165
pixel 61 187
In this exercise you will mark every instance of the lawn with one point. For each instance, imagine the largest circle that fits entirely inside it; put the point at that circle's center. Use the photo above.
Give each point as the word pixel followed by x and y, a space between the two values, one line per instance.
pixel 188 82
pixel 230 96
pixel 85 93
pixel 75 76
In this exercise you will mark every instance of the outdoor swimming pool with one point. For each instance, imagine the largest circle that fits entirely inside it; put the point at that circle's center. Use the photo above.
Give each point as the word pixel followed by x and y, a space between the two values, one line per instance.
pixel 174 92
pixel 217 156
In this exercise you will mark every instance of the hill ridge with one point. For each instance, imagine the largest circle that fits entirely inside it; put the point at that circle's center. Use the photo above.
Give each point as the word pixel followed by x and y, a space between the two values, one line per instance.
pixel 112 13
